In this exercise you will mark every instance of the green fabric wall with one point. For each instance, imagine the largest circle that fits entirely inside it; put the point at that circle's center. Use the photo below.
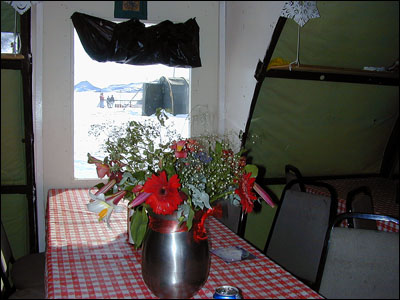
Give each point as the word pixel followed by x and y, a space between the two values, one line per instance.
pixel 14 215
pixel 323 128
pixel 8 18
pixel 326 128
pixel 348 34
pixel 12 129
pixel 14 208
pixel 259 221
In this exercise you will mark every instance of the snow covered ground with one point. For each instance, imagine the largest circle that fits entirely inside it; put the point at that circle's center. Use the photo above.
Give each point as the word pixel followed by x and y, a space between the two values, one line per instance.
pixel 88 113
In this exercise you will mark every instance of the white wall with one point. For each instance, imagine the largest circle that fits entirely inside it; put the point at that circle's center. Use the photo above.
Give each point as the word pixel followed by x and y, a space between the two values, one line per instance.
pixel 53 85
pixel 249 26
pixel 58 73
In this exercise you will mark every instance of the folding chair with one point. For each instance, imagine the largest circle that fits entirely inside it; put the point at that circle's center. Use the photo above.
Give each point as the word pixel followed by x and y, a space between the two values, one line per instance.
pixel 360 263
pixel 360 200
pixel 297 236
pixel 292 173
pixel 22 278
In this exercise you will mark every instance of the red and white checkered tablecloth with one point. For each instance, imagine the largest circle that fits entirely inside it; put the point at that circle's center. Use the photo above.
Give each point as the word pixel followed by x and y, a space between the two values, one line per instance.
pixel 85 259
pixel 341 208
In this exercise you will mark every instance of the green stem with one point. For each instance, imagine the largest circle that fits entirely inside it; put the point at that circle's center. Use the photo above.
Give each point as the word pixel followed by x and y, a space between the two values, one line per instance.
pixel 221 196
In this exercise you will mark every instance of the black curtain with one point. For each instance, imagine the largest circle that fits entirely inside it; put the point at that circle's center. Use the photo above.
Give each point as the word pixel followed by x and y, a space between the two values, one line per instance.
pixel 130 42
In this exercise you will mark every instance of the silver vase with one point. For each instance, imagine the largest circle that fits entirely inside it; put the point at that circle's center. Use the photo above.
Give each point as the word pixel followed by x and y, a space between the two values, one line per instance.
pixel 173 264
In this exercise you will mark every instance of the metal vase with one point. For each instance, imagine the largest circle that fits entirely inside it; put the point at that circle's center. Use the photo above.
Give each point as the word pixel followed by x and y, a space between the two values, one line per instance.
pixel 173 264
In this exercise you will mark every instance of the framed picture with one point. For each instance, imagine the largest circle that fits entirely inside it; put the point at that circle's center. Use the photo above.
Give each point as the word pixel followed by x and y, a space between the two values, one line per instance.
pixel 130 9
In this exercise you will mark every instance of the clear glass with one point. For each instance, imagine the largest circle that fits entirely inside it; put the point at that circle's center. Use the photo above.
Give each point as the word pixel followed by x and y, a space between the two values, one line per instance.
pixel 10 43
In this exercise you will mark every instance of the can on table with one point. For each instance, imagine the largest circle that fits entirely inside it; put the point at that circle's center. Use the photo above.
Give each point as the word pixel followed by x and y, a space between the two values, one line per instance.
pixel 227 292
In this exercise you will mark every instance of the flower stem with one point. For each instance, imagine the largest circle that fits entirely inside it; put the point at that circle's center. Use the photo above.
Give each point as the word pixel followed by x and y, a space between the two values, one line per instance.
pixel 223 195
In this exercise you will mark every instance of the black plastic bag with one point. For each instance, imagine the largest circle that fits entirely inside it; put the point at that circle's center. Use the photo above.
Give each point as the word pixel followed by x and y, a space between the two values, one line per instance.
pixel 130 42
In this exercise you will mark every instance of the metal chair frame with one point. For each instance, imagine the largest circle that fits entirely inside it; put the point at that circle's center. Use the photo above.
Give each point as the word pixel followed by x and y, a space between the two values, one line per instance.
pixel 335 223
pixel 10 290
pixel 332 215
pixel 350 199
pixel 290 169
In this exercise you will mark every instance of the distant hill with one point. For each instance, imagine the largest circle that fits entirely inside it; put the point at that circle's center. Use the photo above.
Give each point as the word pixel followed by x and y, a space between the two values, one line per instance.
pixel 85 86
pixel 126 88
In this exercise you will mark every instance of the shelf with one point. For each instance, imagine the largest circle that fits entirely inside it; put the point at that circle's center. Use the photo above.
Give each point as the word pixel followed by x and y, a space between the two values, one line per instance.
pixel 8 56
pixel 12 61
pixel 322 73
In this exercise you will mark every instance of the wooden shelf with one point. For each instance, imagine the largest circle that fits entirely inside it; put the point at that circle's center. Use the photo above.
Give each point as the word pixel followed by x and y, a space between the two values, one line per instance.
pixel 322 73
pixel 12 61
pixel 8 56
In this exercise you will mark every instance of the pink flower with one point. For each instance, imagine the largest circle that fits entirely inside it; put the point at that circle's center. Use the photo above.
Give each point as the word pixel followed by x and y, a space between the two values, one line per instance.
pixel 263 195
pixel 138 188
pixel 192 145
pixel 116 175
pixel 115 198
pixel 139 199
pixel 105 188
pixel 101 168
pixel 92 159
pixel 180 151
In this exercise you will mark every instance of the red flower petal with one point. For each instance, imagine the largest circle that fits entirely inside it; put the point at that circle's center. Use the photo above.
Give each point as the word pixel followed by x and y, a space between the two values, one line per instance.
pixel 116 175
pixel 164 198
pixel 180 154
pixel 245 193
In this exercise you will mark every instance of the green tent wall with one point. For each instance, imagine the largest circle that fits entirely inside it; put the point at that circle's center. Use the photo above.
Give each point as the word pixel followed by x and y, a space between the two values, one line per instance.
pixel 325 128
pixel 17 176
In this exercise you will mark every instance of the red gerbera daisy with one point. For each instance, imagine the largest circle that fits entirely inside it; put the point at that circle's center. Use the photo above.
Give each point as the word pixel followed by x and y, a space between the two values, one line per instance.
pixel 164 198
pixel 247 197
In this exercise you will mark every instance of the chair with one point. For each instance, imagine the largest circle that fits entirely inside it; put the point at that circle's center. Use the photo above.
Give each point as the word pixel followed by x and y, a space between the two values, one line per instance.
pixel 296 241
pixel 292 173
pixel 360 200
pixel 22 278
pixel 230 215
pixel 361 263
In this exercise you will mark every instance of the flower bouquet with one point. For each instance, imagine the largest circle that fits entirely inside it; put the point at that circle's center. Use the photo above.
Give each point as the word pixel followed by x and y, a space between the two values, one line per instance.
pixel 160 173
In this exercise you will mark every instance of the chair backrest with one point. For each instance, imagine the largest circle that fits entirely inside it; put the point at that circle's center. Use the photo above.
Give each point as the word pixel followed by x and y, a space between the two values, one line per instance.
pixel 360 200
pixel 230 215
pixel 7 259
pixel 292 173
pixel 361 263
pixel 297 237
pixel 6 288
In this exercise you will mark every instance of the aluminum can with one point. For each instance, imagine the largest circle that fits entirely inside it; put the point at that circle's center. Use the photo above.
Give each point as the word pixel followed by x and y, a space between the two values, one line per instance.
pixel 227 292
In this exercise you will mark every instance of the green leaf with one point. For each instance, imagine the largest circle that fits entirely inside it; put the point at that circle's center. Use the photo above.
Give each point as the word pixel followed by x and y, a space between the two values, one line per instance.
pixel 100 185
pixel 170 170
pixel 139 175
pixel 139 226
pixel 189 221
pixel 185 190
pixel 251 169
pixel 218 147
pixel 161 116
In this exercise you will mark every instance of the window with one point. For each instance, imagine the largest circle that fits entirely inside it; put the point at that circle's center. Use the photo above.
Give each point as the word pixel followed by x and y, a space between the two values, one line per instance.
pixel 110 94
pixel 10 29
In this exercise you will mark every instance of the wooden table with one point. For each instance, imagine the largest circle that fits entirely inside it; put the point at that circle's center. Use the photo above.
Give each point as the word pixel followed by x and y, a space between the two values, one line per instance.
pixel 85 259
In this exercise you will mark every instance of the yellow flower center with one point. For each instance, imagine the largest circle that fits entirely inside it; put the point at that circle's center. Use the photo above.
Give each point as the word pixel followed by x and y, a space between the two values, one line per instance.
pixel 102 214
